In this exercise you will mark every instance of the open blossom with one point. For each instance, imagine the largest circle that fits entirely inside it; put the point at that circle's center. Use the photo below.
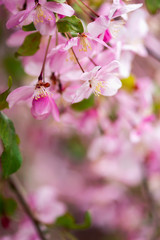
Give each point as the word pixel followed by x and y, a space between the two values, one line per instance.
pixel 43 103
pixel 100 81
pixel 108 26
pixel 42 16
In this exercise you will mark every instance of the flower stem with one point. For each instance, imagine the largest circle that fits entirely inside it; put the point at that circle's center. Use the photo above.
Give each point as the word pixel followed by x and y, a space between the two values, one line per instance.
pixel 68 37
pixel 41 76
pixel 153 54
pixel 89 15
pixel 89 8
pixel 14 186
pixel 92 61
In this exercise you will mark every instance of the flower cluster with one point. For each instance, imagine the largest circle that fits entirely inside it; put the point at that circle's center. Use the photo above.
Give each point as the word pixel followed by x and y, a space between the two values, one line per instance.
pixel 89 78
pixel 68 61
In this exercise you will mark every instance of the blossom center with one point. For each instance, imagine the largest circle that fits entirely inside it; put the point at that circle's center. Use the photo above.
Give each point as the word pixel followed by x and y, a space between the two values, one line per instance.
pixel 41 16
pixel 97 86
pixel 84 43
pixel 40 92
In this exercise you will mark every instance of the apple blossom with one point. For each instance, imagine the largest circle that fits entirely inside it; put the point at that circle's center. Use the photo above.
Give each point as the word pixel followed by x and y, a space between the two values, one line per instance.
pixel 42 16
pixel 99 81
pixel 43 103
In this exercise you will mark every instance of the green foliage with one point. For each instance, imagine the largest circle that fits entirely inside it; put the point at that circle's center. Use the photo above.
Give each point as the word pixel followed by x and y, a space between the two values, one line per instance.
pixel 156 108
pixel 8 206
pixel 128 83
pixel 58 1
pixel 4 95
pixel 67 221
pixel 84 104
pixel 30 45
pixel 13 67
pixel 75 149
pixel 29 27
pixel 11 159
pixel 70 24
pixel 153 5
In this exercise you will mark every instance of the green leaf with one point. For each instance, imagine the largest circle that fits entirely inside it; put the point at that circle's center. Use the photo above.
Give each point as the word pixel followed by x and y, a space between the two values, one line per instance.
pixel 30 45
pixel 11 159
pixel 153 5
pixel 67 221
pixel 4 95
pixel 13 67
pixel 75 149
pixel 58 1
pixel 70 24
pixel 8 206
pixel 29 27
pixel 84 104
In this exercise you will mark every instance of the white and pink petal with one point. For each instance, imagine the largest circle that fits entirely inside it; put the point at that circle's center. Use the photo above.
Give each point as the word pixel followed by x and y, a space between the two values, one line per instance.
pixel 20 94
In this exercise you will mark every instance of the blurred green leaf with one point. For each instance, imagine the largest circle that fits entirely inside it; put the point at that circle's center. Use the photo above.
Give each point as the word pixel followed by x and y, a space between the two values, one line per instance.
pixel 153 5
pixel 67 221
pixel 96 4
pixel 14 68
pixel 77 8
pixel 4 95
pixel 128 83
pixel 84 104
pixel 70 24
pixel 8 206
pixel 11 159
pixel 30 45
pixel 75 149
pixel 29 27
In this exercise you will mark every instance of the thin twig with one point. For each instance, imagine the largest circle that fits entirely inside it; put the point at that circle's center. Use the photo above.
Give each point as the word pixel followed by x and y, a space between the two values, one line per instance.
pixel 92 61
pixel 68 37
pixel 89 8
pixel 153 54
pixel 89 15
pixel 153 215
pixel 14 186
pixel 41 76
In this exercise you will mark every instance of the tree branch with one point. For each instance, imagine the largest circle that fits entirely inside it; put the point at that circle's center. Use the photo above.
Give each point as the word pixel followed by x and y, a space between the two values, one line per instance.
pixel 14 186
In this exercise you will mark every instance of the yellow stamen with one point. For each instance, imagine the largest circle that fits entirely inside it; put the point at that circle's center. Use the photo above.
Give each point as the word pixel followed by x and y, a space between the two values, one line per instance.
pixel 84 42
pixel 40 16
pixel 40 93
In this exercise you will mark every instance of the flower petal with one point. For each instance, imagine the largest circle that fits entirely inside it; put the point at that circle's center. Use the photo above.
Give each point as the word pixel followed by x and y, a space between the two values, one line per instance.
pixel 61 8
pixel 98 26
pixel 111 86
pixel 54 109
pixel 14 20
pixel 126 9
pixel 89 75
pixel 20 94
pixel 112 67
pixel 83 92
pixel 44 21
pixel 41 107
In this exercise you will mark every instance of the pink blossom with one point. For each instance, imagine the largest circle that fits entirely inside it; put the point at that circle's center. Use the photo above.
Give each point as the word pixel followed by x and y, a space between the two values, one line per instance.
pixel 107 26
pixel 43 103
pixel 100 81
pixel 42 16
pixel 45 204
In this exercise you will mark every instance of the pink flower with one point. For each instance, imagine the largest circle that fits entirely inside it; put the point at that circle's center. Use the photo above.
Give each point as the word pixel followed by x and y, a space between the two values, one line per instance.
pixel 45 204
pixel 100 81
pixel 85 45
pixel 43 103
pixel 107 26
pixel 42 15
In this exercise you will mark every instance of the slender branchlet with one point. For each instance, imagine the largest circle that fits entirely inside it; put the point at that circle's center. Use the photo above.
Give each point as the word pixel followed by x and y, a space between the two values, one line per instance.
pixel 13 183
pixel 41 76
